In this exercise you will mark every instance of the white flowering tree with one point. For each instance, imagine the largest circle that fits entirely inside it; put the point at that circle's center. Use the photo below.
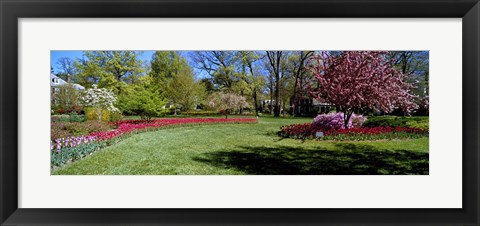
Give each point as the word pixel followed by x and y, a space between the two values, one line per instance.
pixel 227 102
pixel 99 99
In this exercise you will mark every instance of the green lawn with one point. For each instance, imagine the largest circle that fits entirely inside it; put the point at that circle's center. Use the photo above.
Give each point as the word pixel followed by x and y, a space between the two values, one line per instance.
pixel 250 149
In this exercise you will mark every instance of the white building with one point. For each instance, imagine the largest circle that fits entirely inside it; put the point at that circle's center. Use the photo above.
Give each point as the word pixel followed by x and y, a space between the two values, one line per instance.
pixel 56 84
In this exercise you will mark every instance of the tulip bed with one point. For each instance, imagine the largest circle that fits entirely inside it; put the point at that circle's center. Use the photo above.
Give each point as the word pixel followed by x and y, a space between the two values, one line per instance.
pixel 308 130
pixel 64 150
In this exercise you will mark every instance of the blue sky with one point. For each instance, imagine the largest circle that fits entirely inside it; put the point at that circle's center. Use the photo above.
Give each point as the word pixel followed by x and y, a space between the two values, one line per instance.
pixel 145 55
pixel 74 54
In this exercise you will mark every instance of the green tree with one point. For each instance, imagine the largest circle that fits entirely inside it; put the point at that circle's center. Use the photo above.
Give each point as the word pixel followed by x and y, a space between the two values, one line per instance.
pixel 252 81
pixel 164 67
pixel 142 99
pixel 184 91
pixel 220 65
pixel 108 68
pixel 88 73
pixel 209 87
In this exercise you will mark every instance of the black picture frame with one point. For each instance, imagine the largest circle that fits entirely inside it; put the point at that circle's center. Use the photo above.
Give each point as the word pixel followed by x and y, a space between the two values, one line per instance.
pixel 12 10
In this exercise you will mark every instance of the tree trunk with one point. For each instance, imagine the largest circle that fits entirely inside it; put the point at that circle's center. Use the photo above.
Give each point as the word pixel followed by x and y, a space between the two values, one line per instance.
pixel 277 87
pixel 276 110
pixel 274 58
pixel 271 101
pixel 99 114
pixel 255 100
pixel 294 101
pixel 346 118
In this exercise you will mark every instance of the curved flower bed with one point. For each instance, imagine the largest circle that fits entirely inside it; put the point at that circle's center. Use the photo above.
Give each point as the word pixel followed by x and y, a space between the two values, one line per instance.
pixel 308 130
pixel 64 150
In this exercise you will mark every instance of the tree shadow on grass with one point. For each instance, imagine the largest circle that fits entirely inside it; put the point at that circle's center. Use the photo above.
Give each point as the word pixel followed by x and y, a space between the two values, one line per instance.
pixel 348 159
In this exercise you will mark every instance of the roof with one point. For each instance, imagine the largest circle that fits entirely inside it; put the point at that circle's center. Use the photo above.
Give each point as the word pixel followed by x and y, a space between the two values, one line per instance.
pixel 56 81
pixel 78 87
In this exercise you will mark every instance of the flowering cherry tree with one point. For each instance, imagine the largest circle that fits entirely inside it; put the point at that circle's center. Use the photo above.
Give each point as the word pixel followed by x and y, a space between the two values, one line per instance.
pixel 228 102
pixel 99 98
pixel 354 80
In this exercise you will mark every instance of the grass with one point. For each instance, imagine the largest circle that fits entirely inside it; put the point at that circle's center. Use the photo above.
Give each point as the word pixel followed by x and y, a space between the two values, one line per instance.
pixel 250 149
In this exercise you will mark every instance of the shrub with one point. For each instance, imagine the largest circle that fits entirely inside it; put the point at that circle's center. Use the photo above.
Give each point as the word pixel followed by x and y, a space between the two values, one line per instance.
pixel 58 130
pixel 60 111
pixel 201 113
pixel 91 114
pixel 75 109
pixel 115 117
pixel 59 118
pixel 54 109
pixel 418 124
pixel 392 121
pixel 67 99
pixel 73 117
pixel 89 127
pixel 357 120
pixel 67 129
pixel 326 122
pixel 213 113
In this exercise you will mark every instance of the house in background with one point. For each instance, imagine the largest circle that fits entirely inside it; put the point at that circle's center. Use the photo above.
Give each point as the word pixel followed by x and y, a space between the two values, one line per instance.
pixel 56 85
pixel 321 106
pixel 306 106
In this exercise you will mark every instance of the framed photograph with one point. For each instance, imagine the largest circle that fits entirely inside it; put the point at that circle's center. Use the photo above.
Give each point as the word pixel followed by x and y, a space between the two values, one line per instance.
pixel 225 112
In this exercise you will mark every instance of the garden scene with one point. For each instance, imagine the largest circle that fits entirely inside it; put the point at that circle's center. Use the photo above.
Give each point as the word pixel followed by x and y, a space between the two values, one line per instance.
pixel 239 113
